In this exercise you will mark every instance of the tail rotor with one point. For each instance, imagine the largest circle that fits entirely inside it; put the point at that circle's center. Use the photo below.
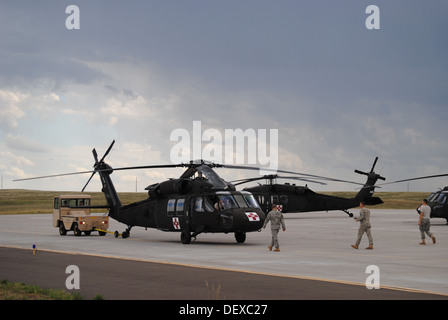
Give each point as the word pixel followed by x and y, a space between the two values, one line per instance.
pixel 98 164
pixel 371 174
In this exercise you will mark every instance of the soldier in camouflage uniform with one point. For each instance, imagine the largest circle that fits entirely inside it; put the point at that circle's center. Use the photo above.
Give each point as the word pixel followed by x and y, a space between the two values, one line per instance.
pixel 364 218
pixel 277 221
pixel 424 222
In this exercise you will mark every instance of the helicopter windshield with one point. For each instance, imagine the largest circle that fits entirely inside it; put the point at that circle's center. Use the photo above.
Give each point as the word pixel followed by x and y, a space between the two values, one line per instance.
pixel 251 202
pixel 432 197
pixel 230 201
pixel 442 198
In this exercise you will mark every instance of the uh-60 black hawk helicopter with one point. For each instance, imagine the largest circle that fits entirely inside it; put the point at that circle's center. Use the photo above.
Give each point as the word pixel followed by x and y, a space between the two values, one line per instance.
pixel 294 198
pixel 199 201
pixel 437 200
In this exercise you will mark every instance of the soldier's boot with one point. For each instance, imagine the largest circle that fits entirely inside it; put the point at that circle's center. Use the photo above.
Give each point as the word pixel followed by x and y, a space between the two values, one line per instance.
pixel 423 242
pixel 354 246
pixel 433 239
pixel 270 248
pixel 370 247
pixel 277 250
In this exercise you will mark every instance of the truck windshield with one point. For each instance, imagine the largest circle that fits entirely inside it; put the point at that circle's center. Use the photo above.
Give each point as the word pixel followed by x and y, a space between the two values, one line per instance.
pixel 74 203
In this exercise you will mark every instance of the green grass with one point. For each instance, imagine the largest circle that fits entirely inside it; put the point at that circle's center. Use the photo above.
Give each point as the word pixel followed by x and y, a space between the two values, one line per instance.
pixel 21 291
pixel 20 201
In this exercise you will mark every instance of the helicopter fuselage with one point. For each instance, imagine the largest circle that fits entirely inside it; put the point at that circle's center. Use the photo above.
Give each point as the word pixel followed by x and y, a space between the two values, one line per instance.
pixel 294 198
pixel 439 204
pixel 187 205
pixel 200 213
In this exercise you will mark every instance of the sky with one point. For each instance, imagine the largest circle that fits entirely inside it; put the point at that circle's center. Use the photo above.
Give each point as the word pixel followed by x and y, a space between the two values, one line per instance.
pixel 338 93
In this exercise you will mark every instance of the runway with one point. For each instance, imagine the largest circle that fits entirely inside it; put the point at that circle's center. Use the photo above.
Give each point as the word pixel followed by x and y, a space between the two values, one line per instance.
pixel 315 262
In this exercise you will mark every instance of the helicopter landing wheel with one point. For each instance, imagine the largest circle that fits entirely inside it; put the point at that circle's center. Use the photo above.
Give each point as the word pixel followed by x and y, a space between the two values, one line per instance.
pixel 349 213
pixel 185 236
pixel 126 233
pixel 240 237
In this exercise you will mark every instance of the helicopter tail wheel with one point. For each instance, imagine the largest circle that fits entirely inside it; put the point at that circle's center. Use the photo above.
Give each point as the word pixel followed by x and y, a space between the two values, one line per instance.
pixel 240 237
pixel 349 213
pixel 185 236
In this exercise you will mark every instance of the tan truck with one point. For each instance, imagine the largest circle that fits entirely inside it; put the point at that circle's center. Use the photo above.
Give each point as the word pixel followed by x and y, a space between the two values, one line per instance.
pixel 72 213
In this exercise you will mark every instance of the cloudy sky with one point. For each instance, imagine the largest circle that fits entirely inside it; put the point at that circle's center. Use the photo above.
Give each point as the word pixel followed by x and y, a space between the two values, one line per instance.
pixel 338 93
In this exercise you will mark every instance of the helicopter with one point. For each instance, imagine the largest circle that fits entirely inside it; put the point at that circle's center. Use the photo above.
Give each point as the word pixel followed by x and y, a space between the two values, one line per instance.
pixel 437 200
pixel 292 198
pixel 199 201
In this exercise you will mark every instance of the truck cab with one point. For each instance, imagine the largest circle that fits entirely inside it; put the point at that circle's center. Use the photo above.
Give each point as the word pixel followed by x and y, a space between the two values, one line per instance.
pixel 73 213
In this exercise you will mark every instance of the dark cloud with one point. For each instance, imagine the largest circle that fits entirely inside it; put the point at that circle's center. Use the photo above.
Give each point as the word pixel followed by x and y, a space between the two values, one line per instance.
pixel 338 93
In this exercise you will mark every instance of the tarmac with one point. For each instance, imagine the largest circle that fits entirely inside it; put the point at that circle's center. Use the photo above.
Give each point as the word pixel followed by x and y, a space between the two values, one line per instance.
pixel 316 260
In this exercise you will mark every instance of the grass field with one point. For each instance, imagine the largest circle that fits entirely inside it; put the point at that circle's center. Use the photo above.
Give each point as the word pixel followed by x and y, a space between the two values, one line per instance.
pixel 20 201
pixel 20 291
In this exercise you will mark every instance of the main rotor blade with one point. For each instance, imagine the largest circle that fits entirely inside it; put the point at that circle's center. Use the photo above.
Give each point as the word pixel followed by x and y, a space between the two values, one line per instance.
pixel 102 170
pixel 291 172
pixel 158 166
pixel 95 155
pixel 243 181
pixel 374 163
pixel 418 178
pixel 88 182
pixel 108 150
pixel 55 175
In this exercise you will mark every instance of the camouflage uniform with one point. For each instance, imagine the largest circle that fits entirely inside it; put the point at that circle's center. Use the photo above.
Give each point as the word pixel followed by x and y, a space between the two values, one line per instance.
pixel 424 223
pixel 277 221
pixel 364 219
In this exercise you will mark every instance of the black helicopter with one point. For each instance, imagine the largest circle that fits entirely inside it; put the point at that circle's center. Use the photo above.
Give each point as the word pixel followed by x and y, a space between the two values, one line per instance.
pixel 294 198
pixel 199 201
pixel 437 200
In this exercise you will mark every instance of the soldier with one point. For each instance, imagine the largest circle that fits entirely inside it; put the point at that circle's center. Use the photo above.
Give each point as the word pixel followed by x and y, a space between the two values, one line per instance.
pixel 276 218
pixel 424 222
pixel 364 218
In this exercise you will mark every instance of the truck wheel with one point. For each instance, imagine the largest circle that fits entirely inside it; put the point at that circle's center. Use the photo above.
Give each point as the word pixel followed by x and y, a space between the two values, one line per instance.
pixel 62 230
pixel 76 230
pixel 87 233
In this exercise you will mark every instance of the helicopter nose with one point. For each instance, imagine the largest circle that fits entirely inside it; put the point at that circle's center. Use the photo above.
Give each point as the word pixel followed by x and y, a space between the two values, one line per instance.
pixel 248 220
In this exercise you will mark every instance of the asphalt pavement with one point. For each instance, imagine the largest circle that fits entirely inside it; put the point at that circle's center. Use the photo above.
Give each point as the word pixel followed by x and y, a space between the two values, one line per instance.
pixel 315 262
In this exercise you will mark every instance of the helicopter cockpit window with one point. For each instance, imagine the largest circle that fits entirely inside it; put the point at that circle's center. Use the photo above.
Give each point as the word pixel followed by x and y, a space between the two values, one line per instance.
pixel 203 205
pixel 250 200
pixel 240 200
pixel 228 201
pixel 442 198
pixel 432 197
